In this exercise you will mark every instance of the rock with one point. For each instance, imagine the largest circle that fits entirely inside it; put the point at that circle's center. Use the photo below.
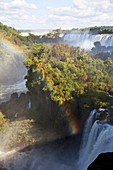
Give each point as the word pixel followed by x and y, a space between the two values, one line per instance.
pixel 103 162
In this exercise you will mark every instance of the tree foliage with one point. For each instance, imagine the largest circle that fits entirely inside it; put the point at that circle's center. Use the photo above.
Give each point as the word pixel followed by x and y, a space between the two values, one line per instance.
pixel 67 71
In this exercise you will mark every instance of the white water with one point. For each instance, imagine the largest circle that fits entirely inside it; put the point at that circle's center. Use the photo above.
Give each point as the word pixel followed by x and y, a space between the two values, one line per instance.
pixel 12 72
pixel 12 68
pixel 86 40
pixel 43 158
pixel 97 138
pixel 7 90
pixel 35 32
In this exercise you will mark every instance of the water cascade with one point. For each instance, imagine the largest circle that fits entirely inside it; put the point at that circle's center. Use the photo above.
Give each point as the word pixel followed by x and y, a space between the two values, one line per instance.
pixel 12 68
pixel 12 71
pixel 86 40
pixel 97 138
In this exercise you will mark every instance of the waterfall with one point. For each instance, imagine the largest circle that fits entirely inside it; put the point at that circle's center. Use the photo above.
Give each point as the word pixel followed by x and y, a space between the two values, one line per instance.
pixel 87 130
pixel 12 72
pixel 86 40
pixel 97 138
pixel 12 68
pixel 7 90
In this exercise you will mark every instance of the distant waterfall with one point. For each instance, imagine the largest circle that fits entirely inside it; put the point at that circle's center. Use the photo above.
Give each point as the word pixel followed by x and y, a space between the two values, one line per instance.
pixel 12 71
pixel 12 68
pixel 86 40
pixel 97 138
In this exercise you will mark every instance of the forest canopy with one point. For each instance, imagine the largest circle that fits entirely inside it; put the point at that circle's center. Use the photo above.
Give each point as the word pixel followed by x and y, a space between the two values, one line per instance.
pixel 67 72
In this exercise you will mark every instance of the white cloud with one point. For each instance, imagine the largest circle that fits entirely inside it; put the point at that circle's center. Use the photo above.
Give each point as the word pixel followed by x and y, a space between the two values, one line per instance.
pixel 17 12
pixel 17 4
pixel 84 13
pixel 80 4
pixel 21 4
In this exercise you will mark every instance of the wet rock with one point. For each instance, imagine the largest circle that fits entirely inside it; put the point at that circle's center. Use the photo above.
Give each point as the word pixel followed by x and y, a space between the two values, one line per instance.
pixel 103 162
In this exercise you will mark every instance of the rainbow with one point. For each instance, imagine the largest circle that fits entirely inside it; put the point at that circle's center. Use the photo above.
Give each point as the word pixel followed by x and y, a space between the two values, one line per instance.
pixel 16 82
pixel 73 122
pixel 12 47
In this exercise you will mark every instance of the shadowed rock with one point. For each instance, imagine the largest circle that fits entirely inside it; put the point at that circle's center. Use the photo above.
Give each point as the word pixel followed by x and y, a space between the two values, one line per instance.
pixel 103 162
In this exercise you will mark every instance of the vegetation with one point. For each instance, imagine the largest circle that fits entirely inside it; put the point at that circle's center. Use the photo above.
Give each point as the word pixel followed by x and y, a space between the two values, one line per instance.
pixel 102 30
pixel 97 29
pixel 3 121
pixel 58 75
pixel 10 34
pixel 15 133
pixel 70 75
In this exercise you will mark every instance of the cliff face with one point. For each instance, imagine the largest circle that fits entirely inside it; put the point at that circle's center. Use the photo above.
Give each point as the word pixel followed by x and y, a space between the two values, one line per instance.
pixel 47 115
pixel 103 162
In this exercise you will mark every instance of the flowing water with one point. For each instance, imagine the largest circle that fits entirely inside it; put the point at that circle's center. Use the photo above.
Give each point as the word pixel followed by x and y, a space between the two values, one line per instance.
pixel 86 40
pixel 97 138
pixel 12 71
pixel 57 155
pixel 7 90
pixel 63 154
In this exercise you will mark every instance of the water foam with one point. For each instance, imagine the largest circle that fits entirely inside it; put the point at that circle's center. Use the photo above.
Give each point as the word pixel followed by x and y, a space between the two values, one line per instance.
pixel 86 40
pixel 97 138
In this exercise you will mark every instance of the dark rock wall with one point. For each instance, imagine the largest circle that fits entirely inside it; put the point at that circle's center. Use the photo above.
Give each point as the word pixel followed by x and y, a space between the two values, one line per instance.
pixel 103 162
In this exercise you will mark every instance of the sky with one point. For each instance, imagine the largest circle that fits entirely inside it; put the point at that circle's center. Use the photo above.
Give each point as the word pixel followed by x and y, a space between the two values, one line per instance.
pixel 53 14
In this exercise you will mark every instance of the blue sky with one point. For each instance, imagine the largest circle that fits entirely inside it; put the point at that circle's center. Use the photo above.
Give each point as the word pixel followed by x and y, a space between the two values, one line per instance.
pixel 52 14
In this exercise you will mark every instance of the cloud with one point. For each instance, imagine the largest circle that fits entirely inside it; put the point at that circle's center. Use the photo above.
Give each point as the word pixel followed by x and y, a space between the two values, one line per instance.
pixel 22 4
pixel 80 4
pixel 81 13
pixel 17 12
pixel 84 13
pixel 17 4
